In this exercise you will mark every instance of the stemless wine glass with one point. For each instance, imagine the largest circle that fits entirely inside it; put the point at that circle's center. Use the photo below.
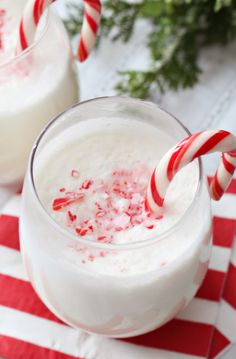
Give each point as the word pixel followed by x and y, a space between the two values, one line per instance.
pixel 96 298
pixel 35 86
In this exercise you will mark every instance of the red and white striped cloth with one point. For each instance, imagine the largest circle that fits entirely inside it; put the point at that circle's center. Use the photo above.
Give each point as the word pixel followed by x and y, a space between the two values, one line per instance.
pixel 203 330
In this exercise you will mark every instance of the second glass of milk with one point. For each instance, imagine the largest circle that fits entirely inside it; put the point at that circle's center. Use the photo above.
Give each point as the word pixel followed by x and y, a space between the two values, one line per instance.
pixel 146 272
pixel 34 86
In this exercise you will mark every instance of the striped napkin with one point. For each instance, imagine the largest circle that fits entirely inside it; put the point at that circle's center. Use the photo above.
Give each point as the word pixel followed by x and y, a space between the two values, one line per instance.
pixel 203 330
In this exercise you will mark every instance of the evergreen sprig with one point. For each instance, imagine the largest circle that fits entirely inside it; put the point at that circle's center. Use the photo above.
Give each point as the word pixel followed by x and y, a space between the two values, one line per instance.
pixel 179 31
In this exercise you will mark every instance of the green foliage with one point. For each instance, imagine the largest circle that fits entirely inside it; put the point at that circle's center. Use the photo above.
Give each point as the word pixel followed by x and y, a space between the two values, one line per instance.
pixel 73 21
pixel 180 29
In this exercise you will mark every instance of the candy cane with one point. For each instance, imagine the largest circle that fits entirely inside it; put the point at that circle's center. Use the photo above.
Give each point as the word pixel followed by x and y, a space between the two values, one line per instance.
pixel 185 152
pixel 33 12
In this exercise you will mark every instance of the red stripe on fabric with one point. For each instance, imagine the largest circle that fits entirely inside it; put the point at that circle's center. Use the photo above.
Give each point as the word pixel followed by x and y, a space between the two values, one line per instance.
pixel 228 166
pixel 93 25
pixel 23 40
pixel 211 143
pixel 12 348
pixel 230 286
pixel 19 294
pixel 178 335
pixel 212 286
pixel 232 187
pixel 9 226
pixel 96 4
pixel 219 343
pixel 155 194
pixel 82 52
pixel 224 230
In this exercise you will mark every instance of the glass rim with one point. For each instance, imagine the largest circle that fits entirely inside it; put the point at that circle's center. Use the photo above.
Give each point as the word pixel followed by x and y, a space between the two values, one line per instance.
pixel 30 48
pixel 108 246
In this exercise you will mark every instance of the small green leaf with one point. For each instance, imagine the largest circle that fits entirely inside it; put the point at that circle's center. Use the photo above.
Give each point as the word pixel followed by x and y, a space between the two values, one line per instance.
pixel 222 3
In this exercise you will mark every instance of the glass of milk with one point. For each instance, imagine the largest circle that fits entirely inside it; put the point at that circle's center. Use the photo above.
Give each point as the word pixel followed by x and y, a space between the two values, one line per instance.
pixel 35 86
pixel 95 257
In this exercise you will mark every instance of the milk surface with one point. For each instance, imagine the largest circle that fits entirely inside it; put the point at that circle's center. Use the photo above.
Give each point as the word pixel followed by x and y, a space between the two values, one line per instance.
pixel 34 87
pixel 94 185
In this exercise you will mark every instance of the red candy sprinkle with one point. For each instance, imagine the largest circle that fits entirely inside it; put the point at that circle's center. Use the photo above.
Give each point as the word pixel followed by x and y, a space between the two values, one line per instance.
pixel 61 203
pixel 150 227
pixel 86 184
pixel 101 238
pixel 71 216
pixel 98 206
pixel 81 231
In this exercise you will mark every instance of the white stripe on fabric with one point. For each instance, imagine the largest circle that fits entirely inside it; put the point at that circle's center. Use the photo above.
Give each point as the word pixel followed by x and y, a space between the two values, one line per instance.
pixel 47 334
pixel 11 263
pixel 200 311
pixel 222 354
pixel 226 207
pixel 13 206
pixel 233 256
pixel 220 257
pixel 226 322
pixel 5 196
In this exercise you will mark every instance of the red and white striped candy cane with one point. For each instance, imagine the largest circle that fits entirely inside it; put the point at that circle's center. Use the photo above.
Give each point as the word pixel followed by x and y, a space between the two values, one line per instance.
pixel 185 152
pixel 33 12
pixel 92 17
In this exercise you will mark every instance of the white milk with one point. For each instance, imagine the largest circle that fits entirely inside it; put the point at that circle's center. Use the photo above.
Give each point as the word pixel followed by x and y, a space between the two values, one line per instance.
pixel 140 275
pixel 34 87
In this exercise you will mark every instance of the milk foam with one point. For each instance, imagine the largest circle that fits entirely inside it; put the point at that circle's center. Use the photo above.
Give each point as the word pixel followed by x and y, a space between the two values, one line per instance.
pixel 96 151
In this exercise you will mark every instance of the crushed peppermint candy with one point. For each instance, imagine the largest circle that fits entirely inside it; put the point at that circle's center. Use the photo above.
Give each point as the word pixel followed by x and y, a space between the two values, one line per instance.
pixel 99 208
pixel 62 202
